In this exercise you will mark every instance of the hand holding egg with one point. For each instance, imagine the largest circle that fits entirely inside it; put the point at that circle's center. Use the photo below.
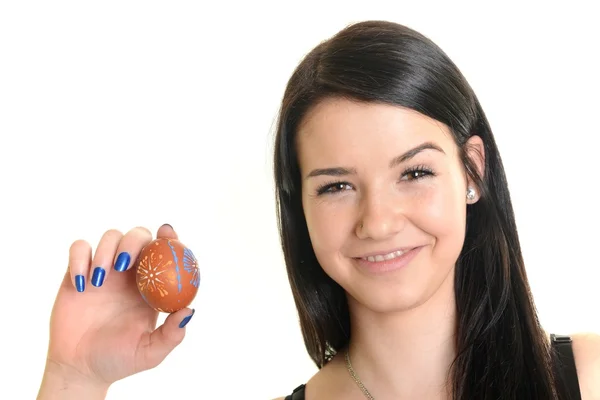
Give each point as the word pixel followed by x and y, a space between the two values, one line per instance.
pixel 102 325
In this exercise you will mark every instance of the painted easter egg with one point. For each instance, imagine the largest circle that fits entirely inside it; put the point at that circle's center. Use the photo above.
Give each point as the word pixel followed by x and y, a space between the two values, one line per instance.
pixel 167 275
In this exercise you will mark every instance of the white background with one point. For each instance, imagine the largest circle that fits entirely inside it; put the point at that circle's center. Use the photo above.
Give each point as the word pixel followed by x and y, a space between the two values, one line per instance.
pixel 119 113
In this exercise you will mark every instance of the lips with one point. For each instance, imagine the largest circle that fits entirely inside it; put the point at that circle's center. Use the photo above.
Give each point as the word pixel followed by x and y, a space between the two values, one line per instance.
pixel 386 262
pixel 385 257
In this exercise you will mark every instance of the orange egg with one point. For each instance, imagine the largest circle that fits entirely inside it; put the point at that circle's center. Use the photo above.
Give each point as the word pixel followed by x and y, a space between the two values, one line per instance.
pixel 167 275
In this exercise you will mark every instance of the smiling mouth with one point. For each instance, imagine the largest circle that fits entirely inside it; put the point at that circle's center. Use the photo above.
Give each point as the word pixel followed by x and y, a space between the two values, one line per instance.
pixel 385 257
pixel 384 263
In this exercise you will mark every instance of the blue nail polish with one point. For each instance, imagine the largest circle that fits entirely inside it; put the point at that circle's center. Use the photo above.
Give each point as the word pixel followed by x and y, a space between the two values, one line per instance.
pixel 98 276
pixel 122 262
pixel 187 319
pixel 80 283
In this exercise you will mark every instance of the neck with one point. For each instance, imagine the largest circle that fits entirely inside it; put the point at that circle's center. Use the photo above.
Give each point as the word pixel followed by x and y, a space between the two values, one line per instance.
pixel 406 354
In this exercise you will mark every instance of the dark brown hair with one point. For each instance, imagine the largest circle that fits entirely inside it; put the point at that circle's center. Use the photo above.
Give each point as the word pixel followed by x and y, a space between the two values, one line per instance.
pixel 503 353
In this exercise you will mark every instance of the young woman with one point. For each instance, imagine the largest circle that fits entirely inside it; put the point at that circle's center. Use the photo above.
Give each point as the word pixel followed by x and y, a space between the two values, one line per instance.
pixel 399 239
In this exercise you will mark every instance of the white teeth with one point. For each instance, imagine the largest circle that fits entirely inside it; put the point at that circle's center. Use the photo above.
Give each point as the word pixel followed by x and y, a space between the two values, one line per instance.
pixel 384 257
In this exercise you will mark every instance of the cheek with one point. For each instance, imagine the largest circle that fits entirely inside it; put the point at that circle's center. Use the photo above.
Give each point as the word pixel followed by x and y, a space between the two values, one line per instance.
pixel 442 214
pixel 443 210
pixel 328 226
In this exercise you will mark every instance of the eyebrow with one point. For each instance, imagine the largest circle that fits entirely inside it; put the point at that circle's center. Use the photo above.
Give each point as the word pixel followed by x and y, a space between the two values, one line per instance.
pixel 341 171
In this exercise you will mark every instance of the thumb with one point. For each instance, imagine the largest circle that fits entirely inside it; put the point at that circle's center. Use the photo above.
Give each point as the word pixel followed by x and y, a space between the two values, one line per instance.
pixel 167 336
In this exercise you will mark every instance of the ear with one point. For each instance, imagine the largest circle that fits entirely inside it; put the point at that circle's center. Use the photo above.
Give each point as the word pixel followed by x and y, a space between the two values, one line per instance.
pixel 476 153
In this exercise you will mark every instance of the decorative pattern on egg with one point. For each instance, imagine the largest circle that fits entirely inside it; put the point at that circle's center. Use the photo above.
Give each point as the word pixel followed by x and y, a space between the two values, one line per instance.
pixel 167 275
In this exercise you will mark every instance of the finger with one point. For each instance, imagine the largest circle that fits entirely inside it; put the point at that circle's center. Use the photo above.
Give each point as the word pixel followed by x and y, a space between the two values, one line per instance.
pixel 80 256
pixel 104 256
pixel 166 231
pixel 167 336
pixel 130 246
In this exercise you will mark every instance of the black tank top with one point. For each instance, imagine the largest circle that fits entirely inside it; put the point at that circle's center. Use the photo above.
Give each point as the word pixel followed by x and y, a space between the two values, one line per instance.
pixel 565 365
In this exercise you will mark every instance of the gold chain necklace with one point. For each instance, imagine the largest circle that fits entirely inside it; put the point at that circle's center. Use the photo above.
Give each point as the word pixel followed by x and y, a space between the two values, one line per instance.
pixel 356 378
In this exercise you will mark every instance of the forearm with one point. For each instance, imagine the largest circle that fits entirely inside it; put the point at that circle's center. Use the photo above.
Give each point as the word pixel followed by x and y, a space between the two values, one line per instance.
pixel 61 383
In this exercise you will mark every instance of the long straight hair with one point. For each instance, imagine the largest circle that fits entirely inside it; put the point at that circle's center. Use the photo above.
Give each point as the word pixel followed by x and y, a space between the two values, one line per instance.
pixel 503 352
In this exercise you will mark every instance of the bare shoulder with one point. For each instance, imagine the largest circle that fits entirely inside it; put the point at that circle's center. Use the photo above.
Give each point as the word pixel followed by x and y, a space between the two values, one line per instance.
pixel 330 379
pixel 586 350
pixel 330 382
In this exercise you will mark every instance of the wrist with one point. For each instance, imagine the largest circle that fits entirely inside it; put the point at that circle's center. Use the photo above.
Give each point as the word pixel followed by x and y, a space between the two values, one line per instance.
pixel 61 382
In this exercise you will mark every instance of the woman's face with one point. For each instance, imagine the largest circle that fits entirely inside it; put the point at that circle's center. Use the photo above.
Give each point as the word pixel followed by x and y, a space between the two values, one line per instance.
pixel 384 196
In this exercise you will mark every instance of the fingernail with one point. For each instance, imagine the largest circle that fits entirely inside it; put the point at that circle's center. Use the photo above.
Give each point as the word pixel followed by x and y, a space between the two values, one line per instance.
pixel 169 225
pixel 122 262
pixel 187 319
pixel 98 276
pixel 80 283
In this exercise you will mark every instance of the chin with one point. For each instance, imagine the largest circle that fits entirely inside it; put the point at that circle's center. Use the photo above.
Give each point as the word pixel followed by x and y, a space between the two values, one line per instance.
pixel 390 299
pixel 401 290
pixel 401 295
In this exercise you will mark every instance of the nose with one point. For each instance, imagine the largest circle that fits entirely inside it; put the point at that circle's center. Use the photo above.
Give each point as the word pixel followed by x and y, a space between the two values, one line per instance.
pixel 381 217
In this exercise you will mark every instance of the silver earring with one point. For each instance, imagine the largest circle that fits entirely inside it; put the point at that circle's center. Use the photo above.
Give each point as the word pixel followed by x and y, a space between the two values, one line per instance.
pixel 470 194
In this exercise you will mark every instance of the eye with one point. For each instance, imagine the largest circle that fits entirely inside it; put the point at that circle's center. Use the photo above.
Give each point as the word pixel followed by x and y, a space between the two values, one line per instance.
pixel 416 173
pixel 333 187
